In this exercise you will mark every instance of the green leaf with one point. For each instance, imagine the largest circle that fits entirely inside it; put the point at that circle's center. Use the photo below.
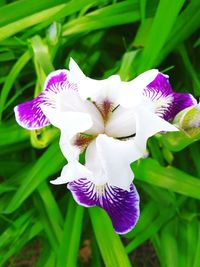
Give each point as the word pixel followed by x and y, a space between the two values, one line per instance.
pixel 20 9
pixel 182 30
pixel 117 14
pixel 11 133
pixel 175 141
pixel 107 239
pixel 150 171
pixel 166 16
pixel 11 78
pixel 41 54
pixel 48 164
pixel 197 258
pixel 51 208
pixel 70 241
pixel 26 22
pixel 152 227
pixel 168 241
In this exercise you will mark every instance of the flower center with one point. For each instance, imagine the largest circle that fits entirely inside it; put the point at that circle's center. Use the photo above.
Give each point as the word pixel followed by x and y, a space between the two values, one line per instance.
pixel 100 190
pixel 105 108
pixel 82 140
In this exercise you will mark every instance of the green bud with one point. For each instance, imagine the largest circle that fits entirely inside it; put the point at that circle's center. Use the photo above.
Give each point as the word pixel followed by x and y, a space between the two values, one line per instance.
pixel 188 120
pixel 41 138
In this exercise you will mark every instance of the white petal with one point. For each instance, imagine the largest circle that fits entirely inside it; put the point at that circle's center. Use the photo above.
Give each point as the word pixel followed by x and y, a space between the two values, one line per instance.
pixel 111 158
pixel 148 124
pixel 97 90
pixel 93 162
pixel 145 78
pixel 70 172
pixel 117 156
pixel 70 123
pixel 131 93
pixel 75 73
pixel 71 101
pixel 121 123
pixel 100 91
pixel 70 152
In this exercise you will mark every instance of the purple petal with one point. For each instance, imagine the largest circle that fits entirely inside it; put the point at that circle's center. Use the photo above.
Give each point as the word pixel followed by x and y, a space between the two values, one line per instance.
pixel 56 77
pixel 29 114
pixel 182 101
pixel 160 85
pixel 167 103
pixel 122 206
pixel 57 82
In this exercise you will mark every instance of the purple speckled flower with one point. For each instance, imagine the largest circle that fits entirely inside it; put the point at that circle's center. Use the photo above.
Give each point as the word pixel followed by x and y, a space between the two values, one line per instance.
pixel 110 121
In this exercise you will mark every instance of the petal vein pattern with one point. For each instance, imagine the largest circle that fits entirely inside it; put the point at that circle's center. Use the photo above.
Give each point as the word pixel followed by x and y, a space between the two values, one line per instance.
pixel 29 114
pixel 166 102
pixel 122 206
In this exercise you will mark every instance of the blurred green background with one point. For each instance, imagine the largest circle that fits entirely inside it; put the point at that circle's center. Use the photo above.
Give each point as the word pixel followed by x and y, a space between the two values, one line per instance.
pixel 40 224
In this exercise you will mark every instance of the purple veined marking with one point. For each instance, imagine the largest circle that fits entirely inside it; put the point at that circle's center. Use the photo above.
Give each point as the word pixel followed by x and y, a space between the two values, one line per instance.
pixel 122 206
pixel 29 114
pixel 167 102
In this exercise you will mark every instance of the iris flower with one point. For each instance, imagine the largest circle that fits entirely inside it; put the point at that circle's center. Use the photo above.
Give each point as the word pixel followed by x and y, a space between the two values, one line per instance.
pixel 109 121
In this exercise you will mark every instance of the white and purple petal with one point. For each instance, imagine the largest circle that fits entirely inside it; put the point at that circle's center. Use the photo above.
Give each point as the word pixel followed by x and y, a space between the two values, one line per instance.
pixel 131 93
pixel 122 206
pixel 29 114
pixel 56 80
pixel 166 102
pixel 182 101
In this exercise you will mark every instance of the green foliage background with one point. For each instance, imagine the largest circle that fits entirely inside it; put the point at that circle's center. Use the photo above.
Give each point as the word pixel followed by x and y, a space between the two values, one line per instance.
pixel 104 37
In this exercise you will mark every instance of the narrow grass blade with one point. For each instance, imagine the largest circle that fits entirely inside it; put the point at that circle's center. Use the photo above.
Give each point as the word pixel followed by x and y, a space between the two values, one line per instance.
pixel 41 54
pixel 190 69
pixel 116 14
pixel 152 228
pixel 148 214
pixel 70 241
pixel 51 208
pixel 50 233
pixel 197 252
pixel 182 30
pixel 38 173
pixel 109 243
pixel 20 9
pixel 150 171
pixel 26 22
pixel 11 133
pixel 166 16
pixel 11 78
pixel 168 240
